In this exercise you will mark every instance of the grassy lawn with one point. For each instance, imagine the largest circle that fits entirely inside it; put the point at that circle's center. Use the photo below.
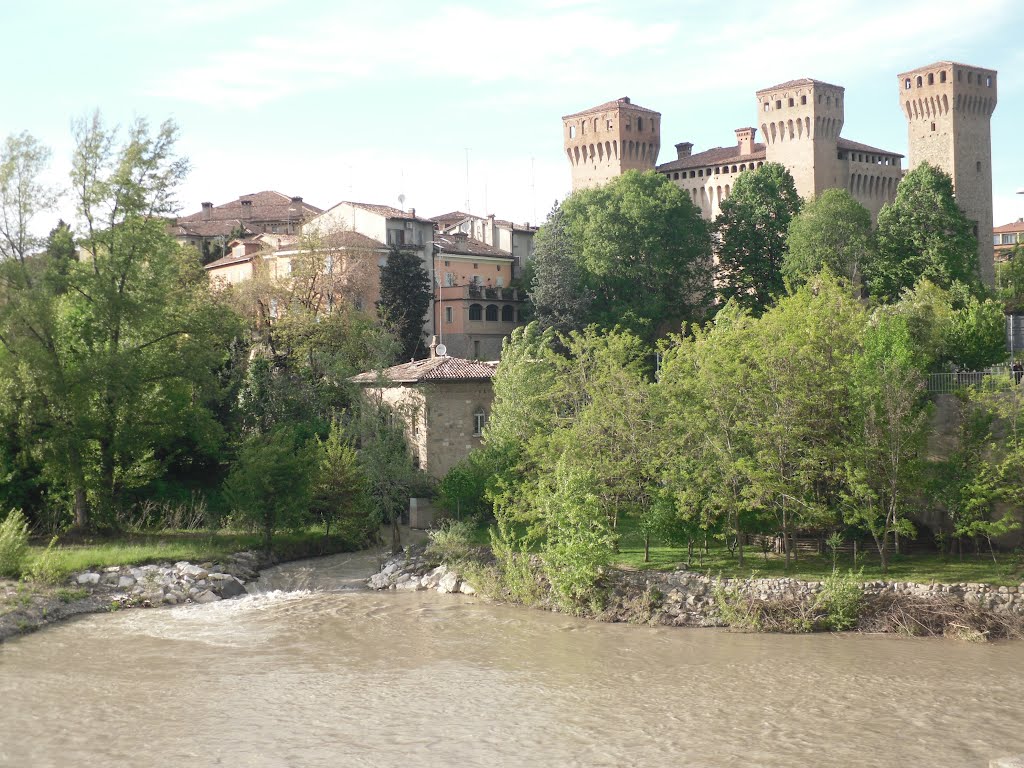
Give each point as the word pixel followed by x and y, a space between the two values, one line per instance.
pixel 921 568
pixel 172 546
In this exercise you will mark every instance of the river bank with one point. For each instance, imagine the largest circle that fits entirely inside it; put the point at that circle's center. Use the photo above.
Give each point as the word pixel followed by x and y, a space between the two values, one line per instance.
pixel 680 598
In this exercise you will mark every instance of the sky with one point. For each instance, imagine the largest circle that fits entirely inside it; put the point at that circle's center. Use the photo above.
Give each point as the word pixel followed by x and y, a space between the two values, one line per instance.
pixel 448 106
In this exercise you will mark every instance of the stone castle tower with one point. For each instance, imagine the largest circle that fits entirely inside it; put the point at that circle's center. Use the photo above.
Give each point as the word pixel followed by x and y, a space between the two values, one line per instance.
pixel 800 125
pixel 605 141
pixel 949 107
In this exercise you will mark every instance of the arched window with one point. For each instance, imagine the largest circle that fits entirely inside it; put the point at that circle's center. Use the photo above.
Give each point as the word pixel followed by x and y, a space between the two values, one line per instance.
pixel 508 314
pixel 476 312
pixel 479 420
pixel 491 312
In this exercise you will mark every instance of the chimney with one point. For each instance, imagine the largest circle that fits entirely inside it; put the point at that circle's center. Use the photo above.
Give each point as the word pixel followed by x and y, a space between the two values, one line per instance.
pixel 492 231
pixel 684 149
pixel 246 209
pixel 297 200
pixel 207 211
pixel 433 346
pixel 412 212
pixel 745 140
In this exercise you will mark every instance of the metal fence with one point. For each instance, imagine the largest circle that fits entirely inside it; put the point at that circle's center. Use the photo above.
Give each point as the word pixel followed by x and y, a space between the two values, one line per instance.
pixel 997 377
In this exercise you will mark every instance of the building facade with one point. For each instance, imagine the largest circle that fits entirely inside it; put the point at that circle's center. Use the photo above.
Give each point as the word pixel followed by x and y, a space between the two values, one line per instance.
pixel 444 403
pixel 800 122
pixel 948 107
pixel 1007 237
pixel 607 140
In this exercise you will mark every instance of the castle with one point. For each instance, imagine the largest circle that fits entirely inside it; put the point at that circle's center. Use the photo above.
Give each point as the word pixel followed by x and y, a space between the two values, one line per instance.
pixel 948 107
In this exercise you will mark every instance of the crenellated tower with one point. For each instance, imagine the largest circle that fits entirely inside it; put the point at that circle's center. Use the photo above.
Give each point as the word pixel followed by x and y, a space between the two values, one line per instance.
pixel 605 141
pixel 949 107
pixel 800 125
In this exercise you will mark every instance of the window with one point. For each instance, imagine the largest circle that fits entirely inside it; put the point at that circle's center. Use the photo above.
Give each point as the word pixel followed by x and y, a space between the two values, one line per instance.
pixel 778 103
pixel 933 126
pixel 931 79
pixel 572 131
pixel 500 282
pixel 639 123
pixel 906 84
pixel 476 266
pixel 491 313
pixel 476 350
pixel 970 77
pixel 476 312
pixel 448 314
pixel 920 81
pixel 803 99
pixel 977 166
pixel 396 237
pixel 942 76
pixel 508 314
pixel 449 279
pixel 767 106
pixel 610 124
pixel 447 263
pixel 791 102
pixel 988 81
pixel 479 417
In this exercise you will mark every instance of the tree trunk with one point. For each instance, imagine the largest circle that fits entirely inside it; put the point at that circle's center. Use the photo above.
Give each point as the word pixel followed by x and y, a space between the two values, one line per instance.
pixel 81 503
pixel 647 547
pixel 396 536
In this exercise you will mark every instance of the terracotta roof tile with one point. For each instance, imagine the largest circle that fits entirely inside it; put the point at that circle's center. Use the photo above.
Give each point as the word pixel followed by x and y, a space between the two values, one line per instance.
pixel 454 217
pixel 712 157
pixel 858 147
pixel 453 244
pixel 384 210
pixel 432 369
pixel 228 260
pixel 798 82
pixel 221 228
pixel 264 206
pixel 1016 226
pixel 616 104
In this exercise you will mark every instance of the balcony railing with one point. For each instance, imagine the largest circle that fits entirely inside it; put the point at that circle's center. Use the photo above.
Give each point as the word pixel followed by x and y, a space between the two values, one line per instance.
pixel 990 379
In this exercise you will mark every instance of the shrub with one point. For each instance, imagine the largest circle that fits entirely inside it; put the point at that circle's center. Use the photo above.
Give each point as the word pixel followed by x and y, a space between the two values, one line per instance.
pixel 842 600
pixel 13 544
pixel 48 566
pixel 452 541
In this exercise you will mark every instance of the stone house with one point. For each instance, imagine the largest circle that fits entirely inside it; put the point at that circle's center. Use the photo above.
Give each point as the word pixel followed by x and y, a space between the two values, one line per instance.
pixel 444 401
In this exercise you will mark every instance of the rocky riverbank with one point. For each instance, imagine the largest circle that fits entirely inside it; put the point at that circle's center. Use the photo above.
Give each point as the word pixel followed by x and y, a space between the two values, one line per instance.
pixel 687 599
pixel 27 607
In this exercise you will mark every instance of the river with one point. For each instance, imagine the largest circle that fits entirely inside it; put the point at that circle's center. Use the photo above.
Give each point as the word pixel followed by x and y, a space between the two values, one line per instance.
pixel 313 671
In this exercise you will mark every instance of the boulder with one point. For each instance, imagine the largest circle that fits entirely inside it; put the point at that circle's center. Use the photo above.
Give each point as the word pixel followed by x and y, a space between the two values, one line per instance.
pixel 410 585
pixel 448 583
pixel 379 581
pixel 193 570
pixel 88 578
pixel 466 589
pixel 125 581
pixel 228 588
pixel 206 596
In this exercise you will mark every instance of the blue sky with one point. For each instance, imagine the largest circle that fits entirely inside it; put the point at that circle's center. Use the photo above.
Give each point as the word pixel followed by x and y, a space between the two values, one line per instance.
pixel 368 101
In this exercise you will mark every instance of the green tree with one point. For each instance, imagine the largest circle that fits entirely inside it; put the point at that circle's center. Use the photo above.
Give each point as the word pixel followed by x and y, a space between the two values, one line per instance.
pixel 560 296
pixel 922 233
pixel 750 236
pixel 1010 280
pixel 832 231
pixel 111 355
pixel 635 250
pixel 339 488
pixel 889 419
pixel 405 293
pixel 976 337
pixel 271 483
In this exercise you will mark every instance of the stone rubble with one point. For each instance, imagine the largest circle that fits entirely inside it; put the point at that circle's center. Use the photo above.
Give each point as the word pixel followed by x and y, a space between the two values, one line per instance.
pixel 180 583
pixel 410 572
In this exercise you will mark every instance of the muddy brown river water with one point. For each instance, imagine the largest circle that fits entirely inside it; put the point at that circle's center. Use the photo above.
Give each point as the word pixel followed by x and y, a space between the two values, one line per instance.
pixel 312 671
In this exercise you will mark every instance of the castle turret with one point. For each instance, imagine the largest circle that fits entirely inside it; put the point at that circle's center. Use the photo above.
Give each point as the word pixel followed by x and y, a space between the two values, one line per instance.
pixel 800 125
pixel 605 141
pixel 949 107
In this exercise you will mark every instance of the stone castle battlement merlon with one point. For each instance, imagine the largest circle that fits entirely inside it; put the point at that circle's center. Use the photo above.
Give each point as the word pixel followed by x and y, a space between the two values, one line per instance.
pixel 605 141
pixel 948 107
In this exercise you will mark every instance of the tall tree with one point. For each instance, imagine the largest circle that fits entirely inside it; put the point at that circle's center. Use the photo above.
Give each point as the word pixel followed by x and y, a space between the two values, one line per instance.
pixel 560 297
pixel 833 230
pixel 405 293
pixel 923 233
pixel 750 236
pixel 636 249
pixel 111 355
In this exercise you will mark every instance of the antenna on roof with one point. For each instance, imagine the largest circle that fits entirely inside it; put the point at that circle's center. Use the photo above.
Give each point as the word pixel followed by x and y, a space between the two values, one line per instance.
pixel 468 209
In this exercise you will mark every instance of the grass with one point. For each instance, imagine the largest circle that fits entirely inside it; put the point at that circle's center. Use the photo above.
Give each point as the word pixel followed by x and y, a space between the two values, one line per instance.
pixel 920 567
pixel 171 546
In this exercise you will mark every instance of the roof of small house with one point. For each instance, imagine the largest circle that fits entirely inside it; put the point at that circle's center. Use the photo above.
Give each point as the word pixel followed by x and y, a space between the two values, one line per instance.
pixel 715 156
pixel 800 81
pixel 1015 226
pixel 614 104
pixel 261 206
pixel 441 368
pixel 460 244
pixel 856 146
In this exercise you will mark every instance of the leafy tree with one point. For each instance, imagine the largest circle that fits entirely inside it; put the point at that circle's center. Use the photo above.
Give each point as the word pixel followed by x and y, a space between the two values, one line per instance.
pixel 832 231
pixel 111 355
pixel 889 418
pixel 1010 280
pixel 405 293
pixel 560 296
pixel 922 233
pixel 270 484
pixel 637 252
pixel 339 488
pixel 976 337
pixel 750 236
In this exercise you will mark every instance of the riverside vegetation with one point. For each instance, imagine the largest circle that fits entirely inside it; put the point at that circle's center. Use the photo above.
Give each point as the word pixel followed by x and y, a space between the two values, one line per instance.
pixel 139 404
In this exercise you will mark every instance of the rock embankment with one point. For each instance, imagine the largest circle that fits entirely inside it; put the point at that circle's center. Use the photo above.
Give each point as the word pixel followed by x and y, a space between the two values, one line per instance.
pixel 28 607
pixel 410 572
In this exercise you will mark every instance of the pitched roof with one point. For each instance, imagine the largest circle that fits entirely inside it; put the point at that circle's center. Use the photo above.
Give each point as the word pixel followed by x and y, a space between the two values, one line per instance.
pixel 798 82
pixel 858 147
pixel 220 228
pixel 263 206
pixel 432 369
pixel 384 210
pixel 456 244
pixel 616 104
pixel 446 219
pixel 345 238
pixel 1016 226
pixel 945 64
pixel 716 156
pixel 228 260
